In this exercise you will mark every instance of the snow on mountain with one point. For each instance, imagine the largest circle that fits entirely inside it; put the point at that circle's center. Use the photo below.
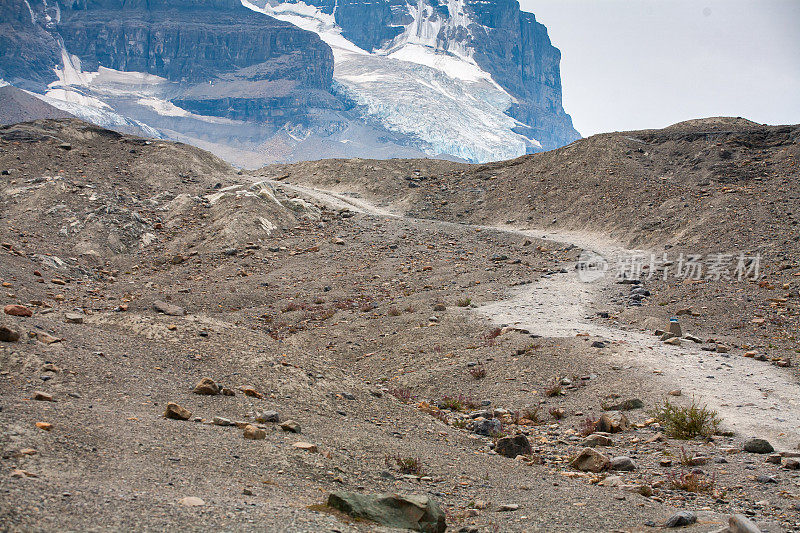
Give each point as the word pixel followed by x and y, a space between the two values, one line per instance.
pixel 420 84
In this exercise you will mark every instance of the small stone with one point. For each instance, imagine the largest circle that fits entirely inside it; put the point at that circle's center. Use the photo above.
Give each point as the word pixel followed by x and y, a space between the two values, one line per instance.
pixel 227 392
pixel 176 412
pixel 207 387
pixel 756 445
pixel 268 416
pixel 740 524
pixel 623 464
pixel 766 479
pixel 17 310
pixel 606 424
pixel 290 426
pixel 513 446
pixel 47 426
pixel 774 458
pixel 665 462
pixel 254 433
pixel 590 460
pixel 673 341
pixel 306 446
pixel 168 309
pixel 219 421
pixel 191 501
pixel 506 507
pixel 249 391
pixel 627 405
pixel 676 392
pixel 247 492
pixel 721 348
pixel 46 338
pixel 42 397
pixel 597 439
pixel 681 518
pixel 73 318
pixel 8 334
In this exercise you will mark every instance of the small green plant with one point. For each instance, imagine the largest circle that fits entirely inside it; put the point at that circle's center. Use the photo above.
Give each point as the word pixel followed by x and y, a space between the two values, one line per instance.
pixel 685 458
pixel 459 423
pixel 532 414
pixel 687 422
pixel 464 302
pixel 405 465
pixel 691 481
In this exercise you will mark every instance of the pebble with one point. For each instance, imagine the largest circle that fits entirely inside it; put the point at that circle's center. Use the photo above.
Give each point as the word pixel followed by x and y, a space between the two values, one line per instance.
pixel 42 397
pixel 590 460
pixel 290 426
pixel 268 416
pixel 623 463
pixel 306 446
pixel 191 501
pixel 73 318
pixel 508 507
pixel 741 524
pixel 253 433
pixel 219 421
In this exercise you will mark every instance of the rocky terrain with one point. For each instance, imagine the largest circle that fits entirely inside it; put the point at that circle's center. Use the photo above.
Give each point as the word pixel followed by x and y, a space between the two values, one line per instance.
pixel 187 346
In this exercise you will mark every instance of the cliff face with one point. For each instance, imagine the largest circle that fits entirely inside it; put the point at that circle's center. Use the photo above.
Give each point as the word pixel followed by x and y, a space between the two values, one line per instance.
pixel 504 41
pixel 229 61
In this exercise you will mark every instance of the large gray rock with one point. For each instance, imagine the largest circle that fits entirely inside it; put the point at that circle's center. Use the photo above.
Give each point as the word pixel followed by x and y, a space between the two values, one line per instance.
pixel 418 513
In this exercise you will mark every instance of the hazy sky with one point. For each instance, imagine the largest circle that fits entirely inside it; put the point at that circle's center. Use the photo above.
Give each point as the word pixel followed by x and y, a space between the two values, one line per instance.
pixel 633 64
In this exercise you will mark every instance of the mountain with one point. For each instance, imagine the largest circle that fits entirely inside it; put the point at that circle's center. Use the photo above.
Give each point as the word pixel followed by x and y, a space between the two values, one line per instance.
pixel 256 83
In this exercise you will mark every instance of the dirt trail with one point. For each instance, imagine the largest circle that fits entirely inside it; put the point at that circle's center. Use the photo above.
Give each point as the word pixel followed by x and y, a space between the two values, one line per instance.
pixel 753 399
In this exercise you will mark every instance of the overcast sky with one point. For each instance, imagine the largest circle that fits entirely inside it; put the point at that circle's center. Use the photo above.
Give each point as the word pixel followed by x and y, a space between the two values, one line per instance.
pixel 633 64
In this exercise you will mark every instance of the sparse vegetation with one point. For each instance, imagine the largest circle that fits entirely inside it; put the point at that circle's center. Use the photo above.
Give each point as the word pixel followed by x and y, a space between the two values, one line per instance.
pixel 401 393
pixel 458 403
pixel 587 426
pixel 404 465
pixel 393 311
pixel 687 422
pixel 489 338
pixel 691 481
pixel 464 302
pixel 478 372
pixel 557 413
pixel 554 390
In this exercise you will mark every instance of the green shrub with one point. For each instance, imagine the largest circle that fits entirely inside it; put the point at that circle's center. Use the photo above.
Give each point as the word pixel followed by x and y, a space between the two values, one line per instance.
pixel 688 422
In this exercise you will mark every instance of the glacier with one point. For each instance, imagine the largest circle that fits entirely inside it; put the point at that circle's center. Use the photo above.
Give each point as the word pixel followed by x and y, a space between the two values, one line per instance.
pixel 419 84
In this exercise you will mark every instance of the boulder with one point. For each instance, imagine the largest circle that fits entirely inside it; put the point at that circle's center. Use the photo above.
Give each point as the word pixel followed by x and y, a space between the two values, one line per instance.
pixel 597 439
pixel 590 460
pixel 417 513
pixel 606 424
pixel 487 426
pixel 513 446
